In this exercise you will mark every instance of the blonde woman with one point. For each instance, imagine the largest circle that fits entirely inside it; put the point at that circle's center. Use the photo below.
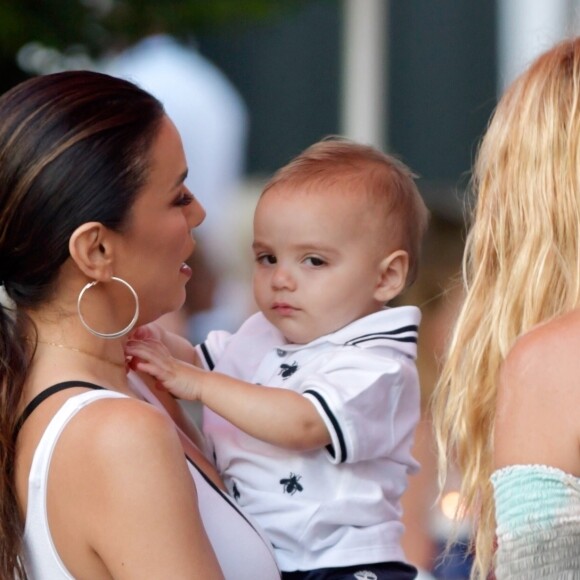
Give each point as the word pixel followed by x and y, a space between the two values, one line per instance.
pixel 507 407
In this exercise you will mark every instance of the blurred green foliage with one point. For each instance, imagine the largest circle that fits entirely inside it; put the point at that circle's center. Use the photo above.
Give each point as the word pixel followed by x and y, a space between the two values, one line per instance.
pixel 99 25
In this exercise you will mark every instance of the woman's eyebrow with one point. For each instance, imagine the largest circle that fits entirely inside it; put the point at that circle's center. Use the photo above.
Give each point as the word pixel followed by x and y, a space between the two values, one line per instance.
pixel 182 178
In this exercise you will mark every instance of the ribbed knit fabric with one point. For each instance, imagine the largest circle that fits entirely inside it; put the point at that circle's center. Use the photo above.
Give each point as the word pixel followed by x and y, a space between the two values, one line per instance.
pixel 538 523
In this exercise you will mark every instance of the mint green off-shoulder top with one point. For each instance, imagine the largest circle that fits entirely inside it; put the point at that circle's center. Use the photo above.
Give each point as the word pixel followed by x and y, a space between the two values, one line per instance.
pixel 538 523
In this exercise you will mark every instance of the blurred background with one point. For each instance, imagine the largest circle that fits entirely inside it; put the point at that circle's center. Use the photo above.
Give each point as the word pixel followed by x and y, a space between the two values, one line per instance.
pixel 251 83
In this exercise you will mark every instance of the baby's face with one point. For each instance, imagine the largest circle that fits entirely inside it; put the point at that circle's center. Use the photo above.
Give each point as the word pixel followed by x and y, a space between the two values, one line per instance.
pixel 317 260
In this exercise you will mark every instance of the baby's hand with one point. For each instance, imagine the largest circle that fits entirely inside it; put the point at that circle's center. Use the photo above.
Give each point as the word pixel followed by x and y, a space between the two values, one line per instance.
pixel 146 332
pixel 152 357
pixel 178 346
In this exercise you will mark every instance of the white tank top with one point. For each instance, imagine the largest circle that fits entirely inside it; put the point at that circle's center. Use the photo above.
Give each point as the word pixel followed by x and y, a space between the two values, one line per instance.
pixel 243 553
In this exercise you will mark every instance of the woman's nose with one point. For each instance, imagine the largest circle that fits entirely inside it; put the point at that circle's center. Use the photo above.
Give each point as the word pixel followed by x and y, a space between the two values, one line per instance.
pixel 196 213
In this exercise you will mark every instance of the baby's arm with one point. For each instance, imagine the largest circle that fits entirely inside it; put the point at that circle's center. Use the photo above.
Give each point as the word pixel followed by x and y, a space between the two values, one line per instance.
pixel 277 416
pixel 182 349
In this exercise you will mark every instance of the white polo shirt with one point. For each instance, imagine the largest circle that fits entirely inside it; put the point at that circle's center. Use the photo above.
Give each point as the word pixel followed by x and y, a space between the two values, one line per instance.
pixel 336 506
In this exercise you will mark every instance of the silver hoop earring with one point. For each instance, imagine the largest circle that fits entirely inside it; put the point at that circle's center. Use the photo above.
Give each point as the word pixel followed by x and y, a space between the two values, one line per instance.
pixel 122 332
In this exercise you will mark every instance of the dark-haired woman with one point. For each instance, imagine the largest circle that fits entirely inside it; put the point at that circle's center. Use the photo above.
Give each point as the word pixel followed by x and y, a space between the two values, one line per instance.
pixel 95 225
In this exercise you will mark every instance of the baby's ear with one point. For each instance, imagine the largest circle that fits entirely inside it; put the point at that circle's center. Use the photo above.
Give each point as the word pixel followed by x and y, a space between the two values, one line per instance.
pixel 392 276
pixel 90 249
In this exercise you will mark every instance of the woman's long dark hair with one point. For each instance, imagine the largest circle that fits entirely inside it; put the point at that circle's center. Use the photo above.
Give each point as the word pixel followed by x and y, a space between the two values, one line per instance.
pixel 74 147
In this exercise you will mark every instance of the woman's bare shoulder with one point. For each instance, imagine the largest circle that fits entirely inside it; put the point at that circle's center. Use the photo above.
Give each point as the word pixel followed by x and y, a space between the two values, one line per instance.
pixel 118 426
pixel 114 451
pixel 538 386
pixel 123 479
pixel 116 441
pixel 552 342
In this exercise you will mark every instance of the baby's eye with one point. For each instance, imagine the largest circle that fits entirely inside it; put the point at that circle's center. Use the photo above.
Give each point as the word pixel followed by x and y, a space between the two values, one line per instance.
pixel 266 259
pixel 315 261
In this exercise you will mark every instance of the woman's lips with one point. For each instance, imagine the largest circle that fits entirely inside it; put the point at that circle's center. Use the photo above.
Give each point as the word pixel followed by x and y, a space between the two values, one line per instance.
pixel 185 270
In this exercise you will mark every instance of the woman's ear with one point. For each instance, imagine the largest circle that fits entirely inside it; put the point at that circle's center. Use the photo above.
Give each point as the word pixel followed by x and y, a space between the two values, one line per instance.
pixel 90 249
pixel 392 276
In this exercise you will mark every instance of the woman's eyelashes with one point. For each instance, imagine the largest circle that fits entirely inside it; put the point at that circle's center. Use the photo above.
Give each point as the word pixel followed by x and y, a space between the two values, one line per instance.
pixel 185 197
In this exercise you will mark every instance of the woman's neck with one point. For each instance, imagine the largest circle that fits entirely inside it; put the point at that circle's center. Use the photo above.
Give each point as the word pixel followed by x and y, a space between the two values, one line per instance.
pixel 66 351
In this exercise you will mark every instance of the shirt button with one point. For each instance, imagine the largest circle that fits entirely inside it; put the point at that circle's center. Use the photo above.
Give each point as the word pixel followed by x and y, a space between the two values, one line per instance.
pixel 280 352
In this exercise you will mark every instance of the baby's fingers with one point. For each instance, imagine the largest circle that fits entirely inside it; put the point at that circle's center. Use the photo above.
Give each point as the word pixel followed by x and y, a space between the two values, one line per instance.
pixel 143 366
pixel 149 350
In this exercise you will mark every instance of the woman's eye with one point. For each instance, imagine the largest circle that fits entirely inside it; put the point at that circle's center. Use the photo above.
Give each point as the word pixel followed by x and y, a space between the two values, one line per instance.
pixel 184 198
pixel 266 259
pixel 314 261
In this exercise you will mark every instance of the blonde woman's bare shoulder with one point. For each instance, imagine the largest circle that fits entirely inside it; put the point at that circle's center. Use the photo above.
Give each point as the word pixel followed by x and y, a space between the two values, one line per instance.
pixel 538 388
pixel 556 342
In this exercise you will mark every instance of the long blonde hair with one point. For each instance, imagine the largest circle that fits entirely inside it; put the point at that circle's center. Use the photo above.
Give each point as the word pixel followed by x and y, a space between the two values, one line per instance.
pixel 521 266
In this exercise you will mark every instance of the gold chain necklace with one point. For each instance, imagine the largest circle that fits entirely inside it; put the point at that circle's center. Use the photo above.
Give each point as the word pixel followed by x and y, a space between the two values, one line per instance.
pixel 85 352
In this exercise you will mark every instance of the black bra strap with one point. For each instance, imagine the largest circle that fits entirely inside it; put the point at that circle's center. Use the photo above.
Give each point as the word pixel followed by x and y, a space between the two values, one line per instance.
pixel 47 393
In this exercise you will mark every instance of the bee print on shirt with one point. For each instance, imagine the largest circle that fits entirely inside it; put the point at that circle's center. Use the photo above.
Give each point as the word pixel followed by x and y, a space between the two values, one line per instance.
pixel 288 370
pixel 291 485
